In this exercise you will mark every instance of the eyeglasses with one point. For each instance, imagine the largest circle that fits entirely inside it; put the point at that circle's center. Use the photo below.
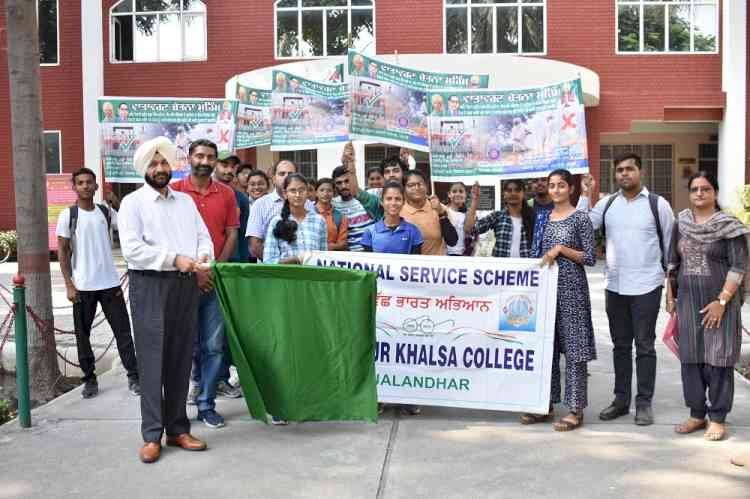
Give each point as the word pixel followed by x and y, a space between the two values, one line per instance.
pixel 297 192
pixel 694 190
pixel 415 185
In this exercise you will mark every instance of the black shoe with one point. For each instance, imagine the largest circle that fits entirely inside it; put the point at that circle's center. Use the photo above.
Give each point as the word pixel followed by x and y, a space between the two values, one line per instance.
pixel 134 387
pixel 644 416
pixel 614 411
pixel 90 389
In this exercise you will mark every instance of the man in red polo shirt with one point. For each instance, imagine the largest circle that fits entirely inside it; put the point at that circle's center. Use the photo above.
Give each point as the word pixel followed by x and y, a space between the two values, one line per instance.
pixel 217 205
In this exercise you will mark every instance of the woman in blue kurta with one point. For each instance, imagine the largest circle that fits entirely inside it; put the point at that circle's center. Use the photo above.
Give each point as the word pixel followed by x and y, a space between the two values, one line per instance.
pixel 568 240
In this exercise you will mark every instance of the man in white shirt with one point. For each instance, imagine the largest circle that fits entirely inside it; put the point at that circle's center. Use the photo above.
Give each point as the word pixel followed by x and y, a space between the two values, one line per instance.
pixel 91 278
pixel 168 248
pixel 638 229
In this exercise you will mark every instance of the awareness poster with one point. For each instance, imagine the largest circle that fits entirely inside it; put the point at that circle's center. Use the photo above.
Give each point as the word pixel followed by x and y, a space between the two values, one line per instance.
pixel 507 134
pixel 60 195
pixel 306 113
pixel 460 332
pixel 390 103
pixel 126 122
pixel 253 117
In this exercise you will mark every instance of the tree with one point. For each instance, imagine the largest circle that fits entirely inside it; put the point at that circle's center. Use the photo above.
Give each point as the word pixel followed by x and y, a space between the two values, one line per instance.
pixel 31 191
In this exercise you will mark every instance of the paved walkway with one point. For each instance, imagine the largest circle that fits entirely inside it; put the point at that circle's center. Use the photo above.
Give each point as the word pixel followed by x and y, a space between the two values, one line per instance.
pixel 88 449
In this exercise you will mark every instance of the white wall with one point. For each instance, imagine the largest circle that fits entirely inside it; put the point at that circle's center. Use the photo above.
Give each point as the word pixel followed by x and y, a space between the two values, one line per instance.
pixel 732 131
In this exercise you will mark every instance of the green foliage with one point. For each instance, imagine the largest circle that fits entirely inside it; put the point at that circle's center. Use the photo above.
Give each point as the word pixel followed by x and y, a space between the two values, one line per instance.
pixel 7 412
pixel 8 239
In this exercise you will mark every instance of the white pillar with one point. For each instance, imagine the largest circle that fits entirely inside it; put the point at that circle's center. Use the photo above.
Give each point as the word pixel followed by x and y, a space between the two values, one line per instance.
pixel 92 78
pixel 732 130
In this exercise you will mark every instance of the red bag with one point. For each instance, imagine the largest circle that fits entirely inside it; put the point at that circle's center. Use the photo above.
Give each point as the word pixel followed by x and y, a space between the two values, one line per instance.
pixel 670 335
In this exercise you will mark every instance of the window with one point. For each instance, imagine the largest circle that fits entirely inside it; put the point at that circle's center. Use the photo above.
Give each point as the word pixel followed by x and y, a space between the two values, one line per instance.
pixel 319 28
pixel 495 26
pixel 667 26
pixel 52 151
pixel 49 42
pixel 157 31
pixel 657 167
pixel 306 161
pixel 708 158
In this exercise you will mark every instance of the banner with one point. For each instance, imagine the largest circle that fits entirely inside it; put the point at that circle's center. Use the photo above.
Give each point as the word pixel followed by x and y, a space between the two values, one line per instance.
pixel 253 117
pixel 60 195
pixel 302 338
pixel 507 134
pixel 460 332
pixel 389 103
pixel 306 113
pixel 126 122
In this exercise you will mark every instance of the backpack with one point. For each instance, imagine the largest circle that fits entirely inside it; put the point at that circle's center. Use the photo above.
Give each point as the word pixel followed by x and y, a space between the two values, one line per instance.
pixel 653 202
pixel 73 223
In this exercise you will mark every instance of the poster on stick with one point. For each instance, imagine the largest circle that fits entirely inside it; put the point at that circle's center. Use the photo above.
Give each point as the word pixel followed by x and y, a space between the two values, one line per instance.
pixel 507 134
pixel 389 103
pixel 127 122
pixel 307 113
pixel 253 117
pixel 460 332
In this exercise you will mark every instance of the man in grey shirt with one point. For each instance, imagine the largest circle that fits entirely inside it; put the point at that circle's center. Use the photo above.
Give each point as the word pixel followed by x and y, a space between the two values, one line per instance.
pixel 634 279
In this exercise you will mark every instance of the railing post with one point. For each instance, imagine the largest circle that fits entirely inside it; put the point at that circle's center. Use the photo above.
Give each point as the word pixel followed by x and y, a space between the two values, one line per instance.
pixel 22 356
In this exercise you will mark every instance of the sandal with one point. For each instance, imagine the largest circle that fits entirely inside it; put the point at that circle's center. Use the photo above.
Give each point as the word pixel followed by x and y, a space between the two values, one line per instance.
pixel 713 434
pixel 691 425
pixel 570 422
pixel 529 418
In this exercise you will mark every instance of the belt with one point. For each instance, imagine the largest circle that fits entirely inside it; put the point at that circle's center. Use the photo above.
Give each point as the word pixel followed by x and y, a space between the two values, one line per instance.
pixel 162 274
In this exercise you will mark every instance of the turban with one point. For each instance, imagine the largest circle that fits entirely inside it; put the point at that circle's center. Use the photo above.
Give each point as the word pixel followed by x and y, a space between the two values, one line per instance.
pixel 145 153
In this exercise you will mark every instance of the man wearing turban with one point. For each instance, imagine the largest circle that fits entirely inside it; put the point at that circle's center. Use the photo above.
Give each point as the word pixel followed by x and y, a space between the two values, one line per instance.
pixel 167 247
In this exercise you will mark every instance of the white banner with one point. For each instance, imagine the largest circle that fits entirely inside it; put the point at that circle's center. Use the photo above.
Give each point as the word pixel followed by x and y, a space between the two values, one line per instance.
pixel 460 332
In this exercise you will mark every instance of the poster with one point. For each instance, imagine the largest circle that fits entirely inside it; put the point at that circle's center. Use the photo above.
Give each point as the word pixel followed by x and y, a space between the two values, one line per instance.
pixel 460 332
pixel 60 195
pixel 253 117
pixel 507 134
pixel 389 103
pixel 127 122
pixel 306 113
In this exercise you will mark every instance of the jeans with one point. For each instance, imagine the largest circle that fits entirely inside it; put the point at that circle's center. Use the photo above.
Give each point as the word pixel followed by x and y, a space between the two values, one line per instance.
pixel 210 340
pixel 113 306
pixel 632 319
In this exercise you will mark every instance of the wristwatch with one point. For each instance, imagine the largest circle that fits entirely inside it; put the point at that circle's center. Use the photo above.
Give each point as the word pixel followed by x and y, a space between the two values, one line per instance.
pixel 722 302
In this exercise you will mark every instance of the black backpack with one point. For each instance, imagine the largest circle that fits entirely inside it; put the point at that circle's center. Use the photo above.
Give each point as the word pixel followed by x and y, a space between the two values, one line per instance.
pixel 653 202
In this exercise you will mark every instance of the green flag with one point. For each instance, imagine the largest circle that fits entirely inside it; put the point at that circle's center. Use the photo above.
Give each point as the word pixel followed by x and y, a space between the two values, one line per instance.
pixel 302 338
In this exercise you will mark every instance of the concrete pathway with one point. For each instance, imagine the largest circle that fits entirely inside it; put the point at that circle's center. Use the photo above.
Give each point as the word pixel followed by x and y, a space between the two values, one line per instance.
pixel 88 448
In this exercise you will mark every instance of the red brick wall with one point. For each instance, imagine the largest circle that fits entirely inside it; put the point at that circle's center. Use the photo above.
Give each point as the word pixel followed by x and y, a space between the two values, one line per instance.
pixel 632 86
pixel 61 103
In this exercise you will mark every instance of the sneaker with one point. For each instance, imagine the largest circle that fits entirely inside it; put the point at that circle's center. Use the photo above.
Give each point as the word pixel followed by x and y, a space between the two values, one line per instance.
pixel 90 389
pixel 211 418
pixel 134 387
pixel 411 410
pixel 278 421
pixel 192 398
pixel 224 389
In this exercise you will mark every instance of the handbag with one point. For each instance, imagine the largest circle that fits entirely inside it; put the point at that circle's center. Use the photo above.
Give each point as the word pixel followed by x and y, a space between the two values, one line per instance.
pixel 671 334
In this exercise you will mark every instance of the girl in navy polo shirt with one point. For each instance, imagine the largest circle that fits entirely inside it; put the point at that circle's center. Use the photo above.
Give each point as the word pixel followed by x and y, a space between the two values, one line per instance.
pixel 392 234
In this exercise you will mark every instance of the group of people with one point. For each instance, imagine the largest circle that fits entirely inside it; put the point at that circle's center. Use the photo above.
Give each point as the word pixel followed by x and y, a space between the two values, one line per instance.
pixel 228 211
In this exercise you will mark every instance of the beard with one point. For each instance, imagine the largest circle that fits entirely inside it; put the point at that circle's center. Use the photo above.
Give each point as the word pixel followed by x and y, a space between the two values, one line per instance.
pixel 202 170
pixel 160 183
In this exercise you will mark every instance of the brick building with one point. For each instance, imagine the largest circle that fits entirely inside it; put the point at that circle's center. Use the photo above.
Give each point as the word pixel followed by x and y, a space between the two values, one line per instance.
pixel 672 75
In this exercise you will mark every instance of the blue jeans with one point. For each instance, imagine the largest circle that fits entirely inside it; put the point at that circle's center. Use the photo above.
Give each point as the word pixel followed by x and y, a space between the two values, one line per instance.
pixel 208 349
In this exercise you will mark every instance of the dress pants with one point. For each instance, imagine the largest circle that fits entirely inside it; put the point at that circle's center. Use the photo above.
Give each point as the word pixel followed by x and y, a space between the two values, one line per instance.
pixel 718 381
pixel 165 320
pixel 113 306
pixel 632 319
